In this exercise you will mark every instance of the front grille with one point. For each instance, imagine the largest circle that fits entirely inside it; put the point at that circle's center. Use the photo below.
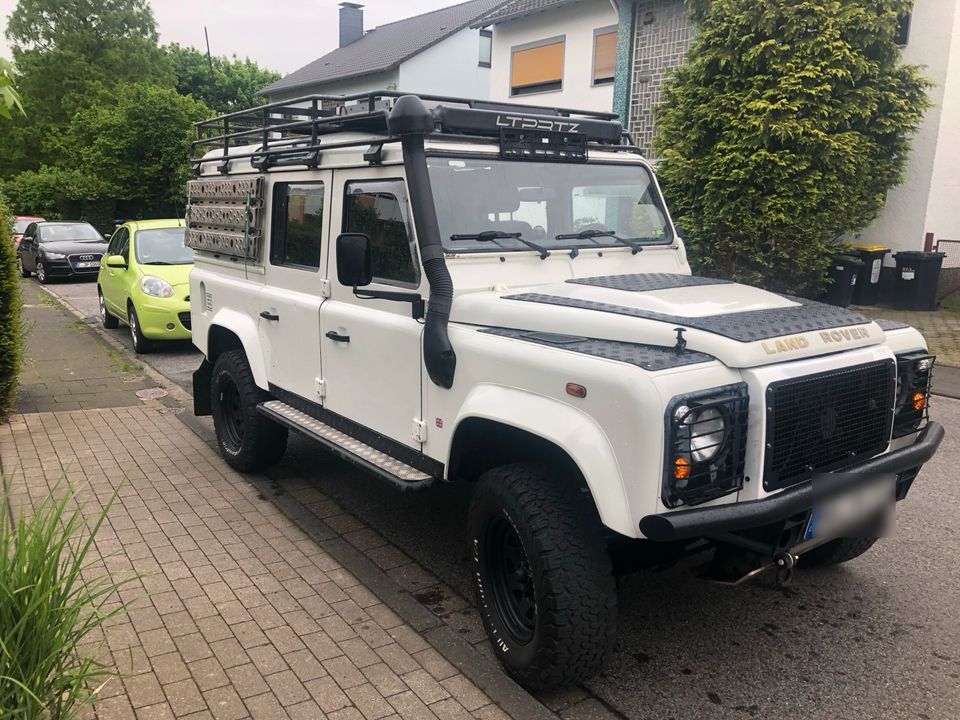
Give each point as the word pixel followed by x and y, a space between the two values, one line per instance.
pixel 185 319
pixel 86 258
pixel 822 422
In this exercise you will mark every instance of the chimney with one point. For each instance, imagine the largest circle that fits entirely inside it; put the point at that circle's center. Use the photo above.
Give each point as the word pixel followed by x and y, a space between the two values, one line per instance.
pixel 351 23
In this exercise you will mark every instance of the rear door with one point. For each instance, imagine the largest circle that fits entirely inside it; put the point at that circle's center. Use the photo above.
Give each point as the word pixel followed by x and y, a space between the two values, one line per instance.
pixel 371 348
pixel 289 315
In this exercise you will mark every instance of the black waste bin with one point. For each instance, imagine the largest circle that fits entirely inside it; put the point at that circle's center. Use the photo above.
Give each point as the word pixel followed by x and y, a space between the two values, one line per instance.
pixel 843 273
pixel 867 290
pixel 917 276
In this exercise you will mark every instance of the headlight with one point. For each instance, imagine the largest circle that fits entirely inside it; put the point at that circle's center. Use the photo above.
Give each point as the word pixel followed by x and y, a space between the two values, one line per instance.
pixel 911 406
pixel 705 445
pixel 156 286
pixel 53 255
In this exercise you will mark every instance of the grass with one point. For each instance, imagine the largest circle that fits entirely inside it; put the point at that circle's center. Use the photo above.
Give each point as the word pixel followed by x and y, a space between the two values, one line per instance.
pixel 48 300
pixel 51 610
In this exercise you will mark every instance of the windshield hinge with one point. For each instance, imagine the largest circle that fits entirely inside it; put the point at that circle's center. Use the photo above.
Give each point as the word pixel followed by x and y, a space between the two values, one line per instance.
pixel 321 387
pixel 419 430
pixel 325 288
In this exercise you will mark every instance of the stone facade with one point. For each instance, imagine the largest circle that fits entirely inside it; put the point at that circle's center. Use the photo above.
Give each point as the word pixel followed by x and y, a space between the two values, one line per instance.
pixel 663 34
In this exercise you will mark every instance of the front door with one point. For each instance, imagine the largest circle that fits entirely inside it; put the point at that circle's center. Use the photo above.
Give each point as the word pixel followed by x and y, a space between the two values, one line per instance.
pixel 114 286
pixel 28 247
pixel 371 348
pixel 289 309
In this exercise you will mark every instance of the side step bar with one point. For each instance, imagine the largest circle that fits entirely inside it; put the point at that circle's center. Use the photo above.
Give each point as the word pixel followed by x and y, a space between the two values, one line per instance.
pixel 347 447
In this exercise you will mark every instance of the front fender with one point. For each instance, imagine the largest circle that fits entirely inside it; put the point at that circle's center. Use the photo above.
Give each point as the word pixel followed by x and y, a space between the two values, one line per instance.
pixel 573 431
pixel 245 329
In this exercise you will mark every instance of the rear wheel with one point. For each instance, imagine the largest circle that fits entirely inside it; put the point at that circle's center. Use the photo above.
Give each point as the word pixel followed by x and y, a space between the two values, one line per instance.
pixel 248 440
pixel 106 319
pixel 544 580
pixel 23 271
pixel 140 343
pixel 836 551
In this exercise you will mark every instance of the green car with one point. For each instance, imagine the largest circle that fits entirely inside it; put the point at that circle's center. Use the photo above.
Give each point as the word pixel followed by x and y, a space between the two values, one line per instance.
pixel 144 282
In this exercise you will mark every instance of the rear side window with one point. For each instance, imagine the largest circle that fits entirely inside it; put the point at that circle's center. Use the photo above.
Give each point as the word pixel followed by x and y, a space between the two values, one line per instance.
pixel 378 209
pixel 297 224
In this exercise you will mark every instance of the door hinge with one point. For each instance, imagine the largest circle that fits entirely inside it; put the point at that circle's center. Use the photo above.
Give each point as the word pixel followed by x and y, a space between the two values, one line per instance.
pixel 325 288
pixel 321 386
pixel 419 430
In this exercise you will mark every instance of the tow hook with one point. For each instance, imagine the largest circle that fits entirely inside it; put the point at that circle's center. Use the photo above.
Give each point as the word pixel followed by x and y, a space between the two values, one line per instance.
pixel 785 563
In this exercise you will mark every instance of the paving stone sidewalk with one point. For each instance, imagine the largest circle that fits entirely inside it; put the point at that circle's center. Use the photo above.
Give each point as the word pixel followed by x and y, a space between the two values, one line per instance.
pixel 941 328
pixel 240 614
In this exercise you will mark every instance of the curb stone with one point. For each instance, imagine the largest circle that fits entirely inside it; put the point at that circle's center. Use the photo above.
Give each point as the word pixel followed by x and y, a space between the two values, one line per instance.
pixel 482 671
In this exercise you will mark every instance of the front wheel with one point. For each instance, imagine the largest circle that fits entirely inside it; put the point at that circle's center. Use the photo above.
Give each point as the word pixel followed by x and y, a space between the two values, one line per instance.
pixel 248 440
pixel 42 273
pixel 141 344
pixel 544 580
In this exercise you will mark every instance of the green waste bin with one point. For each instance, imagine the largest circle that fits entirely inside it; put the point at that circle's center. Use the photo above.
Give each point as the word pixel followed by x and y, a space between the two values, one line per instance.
pixel 843 273
pixel 867 290
pixel 917 276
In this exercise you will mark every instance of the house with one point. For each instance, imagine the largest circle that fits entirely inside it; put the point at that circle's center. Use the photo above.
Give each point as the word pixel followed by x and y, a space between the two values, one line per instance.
pixel 437 53
pixel 553 52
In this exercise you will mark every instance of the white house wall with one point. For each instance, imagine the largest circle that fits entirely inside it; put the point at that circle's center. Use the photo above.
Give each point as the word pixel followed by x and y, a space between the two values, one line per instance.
pixel 943 210
pixel 903 222
pixel 576 22
pixel 451 67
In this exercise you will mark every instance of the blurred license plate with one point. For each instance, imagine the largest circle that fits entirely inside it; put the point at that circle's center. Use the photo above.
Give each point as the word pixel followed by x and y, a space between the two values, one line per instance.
pixel 87 264
pixel 852 510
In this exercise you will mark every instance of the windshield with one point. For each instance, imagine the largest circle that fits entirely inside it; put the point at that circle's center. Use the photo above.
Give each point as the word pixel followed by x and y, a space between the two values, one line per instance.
pixel 81 232
pixel 540 200
pixel 163 246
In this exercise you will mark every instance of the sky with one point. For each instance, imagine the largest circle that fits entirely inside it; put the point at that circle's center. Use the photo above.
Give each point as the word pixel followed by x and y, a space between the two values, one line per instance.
pixel 280 35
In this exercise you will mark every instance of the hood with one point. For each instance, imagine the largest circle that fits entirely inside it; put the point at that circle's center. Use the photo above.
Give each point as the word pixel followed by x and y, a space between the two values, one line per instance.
pixel 173 274
pixel 741 326
pixel 74 247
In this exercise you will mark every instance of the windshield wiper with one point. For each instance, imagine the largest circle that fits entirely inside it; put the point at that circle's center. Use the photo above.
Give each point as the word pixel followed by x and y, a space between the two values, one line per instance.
pixel 590 234
pixel 490 235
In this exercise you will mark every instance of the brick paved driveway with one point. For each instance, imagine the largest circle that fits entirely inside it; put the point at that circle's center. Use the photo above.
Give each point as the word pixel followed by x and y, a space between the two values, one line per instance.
pixel 246 616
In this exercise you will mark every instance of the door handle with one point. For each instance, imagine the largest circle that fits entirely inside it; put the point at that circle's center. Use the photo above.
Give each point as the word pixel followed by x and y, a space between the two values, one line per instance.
pixel 267 315
pixel 334 335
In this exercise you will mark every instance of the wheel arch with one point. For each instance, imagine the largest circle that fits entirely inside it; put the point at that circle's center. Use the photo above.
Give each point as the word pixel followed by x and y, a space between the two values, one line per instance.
pixel 538 428
pixel 231 330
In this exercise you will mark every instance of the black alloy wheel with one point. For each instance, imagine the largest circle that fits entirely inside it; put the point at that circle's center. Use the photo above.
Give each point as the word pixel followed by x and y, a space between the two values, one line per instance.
pixel 231 412
pixel 511 581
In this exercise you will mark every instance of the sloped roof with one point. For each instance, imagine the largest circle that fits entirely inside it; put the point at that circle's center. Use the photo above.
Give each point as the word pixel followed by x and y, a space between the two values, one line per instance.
pixel 386 47
pixel 515 9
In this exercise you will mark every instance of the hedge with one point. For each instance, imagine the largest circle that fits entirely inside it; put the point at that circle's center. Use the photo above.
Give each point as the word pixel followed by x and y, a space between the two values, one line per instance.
pixel 11 323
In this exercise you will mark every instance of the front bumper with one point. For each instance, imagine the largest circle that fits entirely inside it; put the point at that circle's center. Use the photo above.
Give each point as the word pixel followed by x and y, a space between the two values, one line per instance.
pixel 65 268
pixel 704 522
pixel 164 318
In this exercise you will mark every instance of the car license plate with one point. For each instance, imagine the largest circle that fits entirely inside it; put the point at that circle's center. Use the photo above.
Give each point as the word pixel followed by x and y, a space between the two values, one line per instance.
pixel 87 264
pixel 848 511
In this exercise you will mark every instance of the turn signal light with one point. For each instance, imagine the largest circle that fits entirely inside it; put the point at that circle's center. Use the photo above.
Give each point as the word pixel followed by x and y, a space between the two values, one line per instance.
pixel 577 391
pixel 681 468
pixel 919 401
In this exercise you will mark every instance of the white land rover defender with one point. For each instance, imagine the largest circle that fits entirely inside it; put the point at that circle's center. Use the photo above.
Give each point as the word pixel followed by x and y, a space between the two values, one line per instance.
pixel 440 289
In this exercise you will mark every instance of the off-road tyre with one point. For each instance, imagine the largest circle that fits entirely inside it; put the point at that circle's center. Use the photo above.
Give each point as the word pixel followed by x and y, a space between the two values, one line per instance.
pixel 106 319
pixel 562 543
pixel 140 343
pixel 836 551
pixel 24 273
pixel 247 440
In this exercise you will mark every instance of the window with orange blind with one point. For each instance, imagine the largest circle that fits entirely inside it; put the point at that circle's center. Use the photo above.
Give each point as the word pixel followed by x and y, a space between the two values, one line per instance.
pixel 604 55
pixel 538 68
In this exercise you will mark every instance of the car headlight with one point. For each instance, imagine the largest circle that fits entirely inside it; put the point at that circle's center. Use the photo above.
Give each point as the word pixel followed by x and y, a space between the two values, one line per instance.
pixel 911 406
pixel 155 286
pixel 706 441
pixel 53 255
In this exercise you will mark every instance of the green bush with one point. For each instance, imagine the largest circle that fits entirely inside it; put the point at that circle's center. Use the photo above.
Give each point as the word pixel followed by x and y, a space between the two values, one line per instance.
pixel 11 325
pixel 50 612
pixel 783 131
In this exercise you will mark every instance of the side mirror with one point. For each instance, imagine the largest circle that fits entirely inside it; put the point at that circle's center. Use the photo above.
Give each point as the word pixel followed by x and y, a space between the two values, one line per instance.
pixel 106 237
pixel 117 261
pixel 353 260
pixel 678 229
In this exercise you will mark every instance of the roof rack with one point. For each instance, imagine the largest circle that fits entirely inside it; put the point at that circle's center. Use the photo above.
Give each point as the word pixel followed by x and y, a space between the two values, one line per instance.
pixel 291 132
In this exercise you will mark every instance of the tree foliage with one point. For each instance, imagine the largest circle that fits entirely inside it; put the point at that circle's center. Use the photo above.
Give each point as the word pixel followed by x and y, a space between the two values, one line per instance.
pixel 229 85
pixel 783 131
pixel 9 97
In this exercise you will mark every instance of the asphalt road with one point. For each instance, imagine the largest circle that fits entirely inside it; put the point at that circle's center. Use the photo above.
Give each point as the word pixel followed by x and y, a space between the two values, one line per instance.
pixel 876 638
